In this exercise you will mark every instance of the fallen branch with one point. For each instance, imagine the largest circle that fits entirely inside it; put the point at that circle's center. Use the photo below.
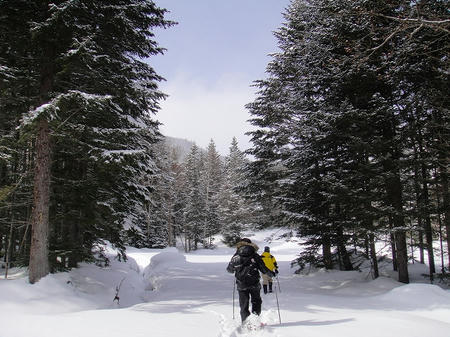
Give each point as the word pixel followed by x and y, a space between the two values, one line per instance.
pixel 116 297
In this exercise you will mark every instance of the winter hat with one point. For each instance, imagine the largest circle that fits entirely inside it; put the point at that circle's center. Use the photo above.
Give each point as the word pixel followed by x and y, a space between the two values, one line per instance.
pixel 246 240
pixel 266 249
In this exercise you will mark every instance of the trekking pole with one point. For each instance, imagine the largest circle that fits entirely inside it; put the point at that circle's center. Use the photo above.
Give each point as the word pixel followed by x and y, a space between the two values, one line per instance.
pixel 278 304
pixel 234 291
pixel 278 281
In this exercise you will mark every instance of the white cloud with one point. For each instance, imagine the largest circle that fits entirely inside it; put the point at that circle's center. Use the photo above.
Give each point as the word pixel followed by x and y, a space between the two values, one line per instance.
pixel 199 111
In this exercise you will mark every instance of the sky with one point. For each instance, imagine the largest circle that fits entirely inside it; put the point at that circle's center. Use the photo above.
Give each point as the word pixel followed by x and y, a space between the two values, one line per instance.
pixel 214 54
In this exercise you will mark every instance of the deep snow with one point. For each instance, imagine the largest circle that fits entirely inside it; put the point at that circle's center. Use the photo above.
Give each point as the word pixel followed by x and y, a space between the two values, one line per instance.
pixel 170 293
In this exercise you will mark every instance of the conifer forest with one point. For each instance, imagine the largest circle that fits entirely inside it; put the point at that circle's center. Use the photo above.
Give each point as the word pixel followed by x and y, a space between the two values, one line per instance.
pixel 350 137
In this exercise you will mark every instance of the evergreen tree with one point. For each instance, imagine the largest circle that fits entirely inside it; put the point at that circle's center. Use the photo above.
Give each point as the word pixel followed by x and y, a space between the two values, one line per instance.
pixel 153 228
pixel 90 100
pixel 333 119
pixel 194 211
pixel 212 177
pixel 235 210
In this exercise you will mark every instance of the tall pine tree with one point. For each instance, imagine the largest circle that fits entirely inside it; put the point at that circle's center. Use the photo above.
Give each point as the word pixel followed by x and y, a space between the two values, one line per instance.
pixel 91 102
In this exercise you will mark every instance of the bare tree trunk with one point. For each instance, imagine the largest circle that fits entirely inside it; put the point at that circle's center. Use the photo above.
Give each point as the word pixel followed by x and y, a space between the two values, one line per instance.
pixel 39 264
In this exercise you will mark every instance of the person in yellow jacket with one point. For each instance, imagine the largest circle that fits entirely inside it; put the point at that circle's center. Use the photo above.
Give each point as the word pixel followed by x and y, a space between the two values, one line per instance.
pixel 271 264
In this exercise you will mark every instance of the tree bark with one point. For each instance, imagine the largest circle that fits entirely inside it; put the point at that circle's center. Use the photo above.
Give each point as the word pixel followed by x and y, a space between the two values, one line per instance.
pixel 394 253
pixel 347 263
pixel 402 256
pixel 394 197
pixel 39 264
pixel 373 256
pixel 326 252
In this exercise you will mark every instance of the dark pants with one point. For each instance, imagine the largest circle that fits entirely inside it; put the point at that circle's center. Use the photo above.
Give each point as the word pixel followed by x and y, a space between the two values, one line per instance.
pixel 245 296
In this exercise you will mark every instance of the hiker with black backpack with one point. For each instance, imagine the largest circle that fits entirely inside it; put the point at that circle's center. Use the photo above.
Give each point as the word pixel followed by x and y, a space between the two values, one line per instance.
pixel 246 265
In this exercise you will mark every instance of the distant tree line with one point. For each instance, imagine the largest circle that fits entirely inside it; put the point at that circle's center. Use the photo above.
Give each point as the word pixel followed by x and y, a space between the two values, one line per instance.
pixel 352 130
pixel 195 199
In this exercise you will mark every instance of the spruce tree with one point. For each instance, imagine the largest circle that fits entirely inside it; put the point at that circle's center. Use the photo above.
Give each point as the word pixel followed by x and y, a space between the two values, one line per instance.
pixel 332 118
pixel 91 94
pixel 212 177
pixel 194 211
pixel 235 210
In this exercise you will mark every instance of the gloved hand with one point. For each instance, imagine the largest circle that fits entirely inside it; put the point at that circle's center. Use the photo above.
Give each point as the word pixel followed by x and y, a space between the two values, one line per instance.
pixel 276 271
pixel 270 273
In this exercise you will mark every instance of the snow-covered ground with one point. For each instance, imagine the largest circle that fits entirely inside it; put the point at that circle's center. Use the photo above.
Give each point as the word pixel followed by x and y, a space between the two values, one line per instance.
pixel 170 293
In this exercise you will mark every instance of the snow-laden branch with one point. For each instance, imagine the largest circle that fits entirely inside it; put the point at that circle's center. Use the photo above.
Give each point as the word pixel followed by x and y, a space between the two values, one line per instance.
pixel 51 108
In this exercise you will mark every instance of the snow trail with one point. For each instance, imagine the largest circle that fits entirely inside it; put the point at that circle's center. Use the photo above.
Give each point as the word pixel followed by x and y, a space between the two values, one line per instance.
pixel 170 293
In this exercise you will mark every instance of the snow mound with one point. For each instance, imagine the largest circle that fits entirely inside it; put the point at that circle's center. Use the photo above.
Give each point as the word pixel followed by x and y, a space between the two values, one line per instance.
pixel 427 295
pixel 168 258
pixel 85 288
pixel 119 278
pixel 51 295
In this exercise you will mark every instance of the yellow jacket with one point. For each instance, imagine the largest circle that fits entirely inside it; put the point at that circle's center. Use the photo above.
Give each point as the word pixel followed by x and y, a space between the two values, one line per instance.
pixel 269 261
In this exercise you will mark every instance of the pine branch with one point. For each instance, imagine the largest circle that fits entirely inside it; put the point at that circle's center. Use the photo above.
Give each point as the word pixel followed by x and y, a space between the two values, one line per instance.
pixel 373 50
pixel 435 24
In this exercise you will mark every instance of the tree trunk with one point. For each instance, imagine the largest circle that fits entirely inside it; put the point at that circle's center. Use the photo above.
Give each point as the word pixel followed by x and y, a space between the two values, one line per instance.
pixel 446 205
pixel 76 242
pixel 39 264
pixel 170 227
pixel 366 247
pixel 394 197
pixel 373 256
pixel 428 228
pixel 394 253
pixel 402 256
pixel 421 252
pixel 343 250
pixel 418 203
pixel 326 252
pixel 8 253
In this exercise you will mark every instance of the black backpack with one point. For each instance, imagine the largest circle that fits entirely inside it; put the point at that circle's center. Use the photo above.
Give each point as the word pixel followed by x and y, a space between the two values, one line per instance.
pixel 247 273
